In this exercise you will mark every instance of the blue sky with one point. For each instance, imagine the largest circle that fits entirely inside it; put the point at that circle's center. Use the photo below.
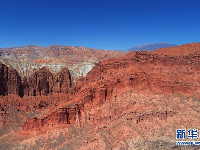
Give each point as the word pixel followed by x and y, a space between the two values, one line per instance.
pixel 102 24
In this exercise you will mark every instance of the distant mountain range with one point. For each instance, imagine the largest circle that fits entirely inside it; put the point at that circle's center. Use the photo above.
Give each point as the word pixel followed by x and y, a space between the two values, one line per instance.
pixel 151 46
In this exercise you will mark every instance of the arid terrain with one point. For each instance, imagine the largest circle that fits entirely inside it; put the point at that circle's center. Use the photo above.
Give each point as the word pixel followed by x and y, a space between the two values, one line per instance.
pixel 71 98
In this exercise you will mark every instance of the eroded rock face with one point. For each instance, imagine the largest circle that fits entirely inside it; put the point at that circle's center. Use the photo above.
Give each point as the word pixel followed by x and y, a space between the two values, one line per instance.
pixel 63 116
pixel 2 79
pixel 10 81
pixel 143 71
pixel 179 50
pixel 64 81
pixel 42 82
pixel 27 68
pixel 125 103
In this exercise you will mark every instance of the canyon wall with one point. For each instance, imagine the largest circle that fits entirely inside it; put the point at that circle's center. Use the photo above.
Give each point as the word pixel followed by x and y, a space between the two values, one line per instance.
pixel 133 102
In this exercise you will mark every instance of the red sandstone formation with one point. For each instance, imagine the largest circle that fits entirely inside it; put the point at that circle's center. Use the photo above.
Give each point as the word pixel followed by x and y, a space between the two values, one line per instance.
pixel 10 81
pixel 133 102
pixel 43 82
pixel 179 50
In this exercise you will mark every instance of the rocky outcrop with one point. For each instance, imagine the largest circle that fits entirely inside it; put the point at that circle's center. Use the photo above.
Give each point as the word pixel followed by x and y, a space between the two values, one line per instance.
pixel 150 116
pixel 179 50
pixel 26 68
pixel 42 82
pixel 10 81
pixel 63 81
pixel 39 83
pixel 2 80
pixel 123 103
pixel 63 116
pixel 145 71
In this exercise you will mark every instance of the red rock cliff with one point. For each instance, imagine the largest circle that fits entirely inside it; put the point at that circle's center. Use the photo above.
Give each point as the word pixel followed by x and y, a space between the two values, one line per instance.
pixel 43 82
pixel 10 81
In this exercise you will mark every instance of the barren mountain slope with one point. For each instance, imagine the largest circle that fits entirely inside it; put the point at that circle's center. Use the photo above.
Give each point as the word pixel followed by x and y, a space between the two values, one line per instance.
pixel 133 102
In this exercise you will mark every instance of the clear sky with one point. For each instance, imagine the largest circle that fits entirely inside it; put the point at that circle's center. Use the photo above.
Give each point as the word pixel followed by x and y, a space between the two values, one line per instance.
pixel 102 24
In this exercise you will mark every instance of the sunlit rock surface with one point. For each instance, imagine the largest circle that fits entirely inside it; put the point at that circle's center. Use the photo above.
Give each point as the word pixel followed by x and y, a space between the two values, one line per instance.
pixel 133 102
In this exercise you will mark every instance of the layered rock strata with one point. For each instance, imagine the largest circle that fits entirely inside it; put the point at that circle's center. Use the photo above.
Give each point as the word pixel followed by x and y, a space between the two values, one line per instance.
pixel 133 102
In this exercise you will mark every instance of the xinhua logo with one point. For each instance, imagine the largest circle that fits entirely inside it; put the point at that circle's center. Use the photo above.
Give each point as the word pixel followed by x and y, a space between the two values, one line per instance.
pixel 190 134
